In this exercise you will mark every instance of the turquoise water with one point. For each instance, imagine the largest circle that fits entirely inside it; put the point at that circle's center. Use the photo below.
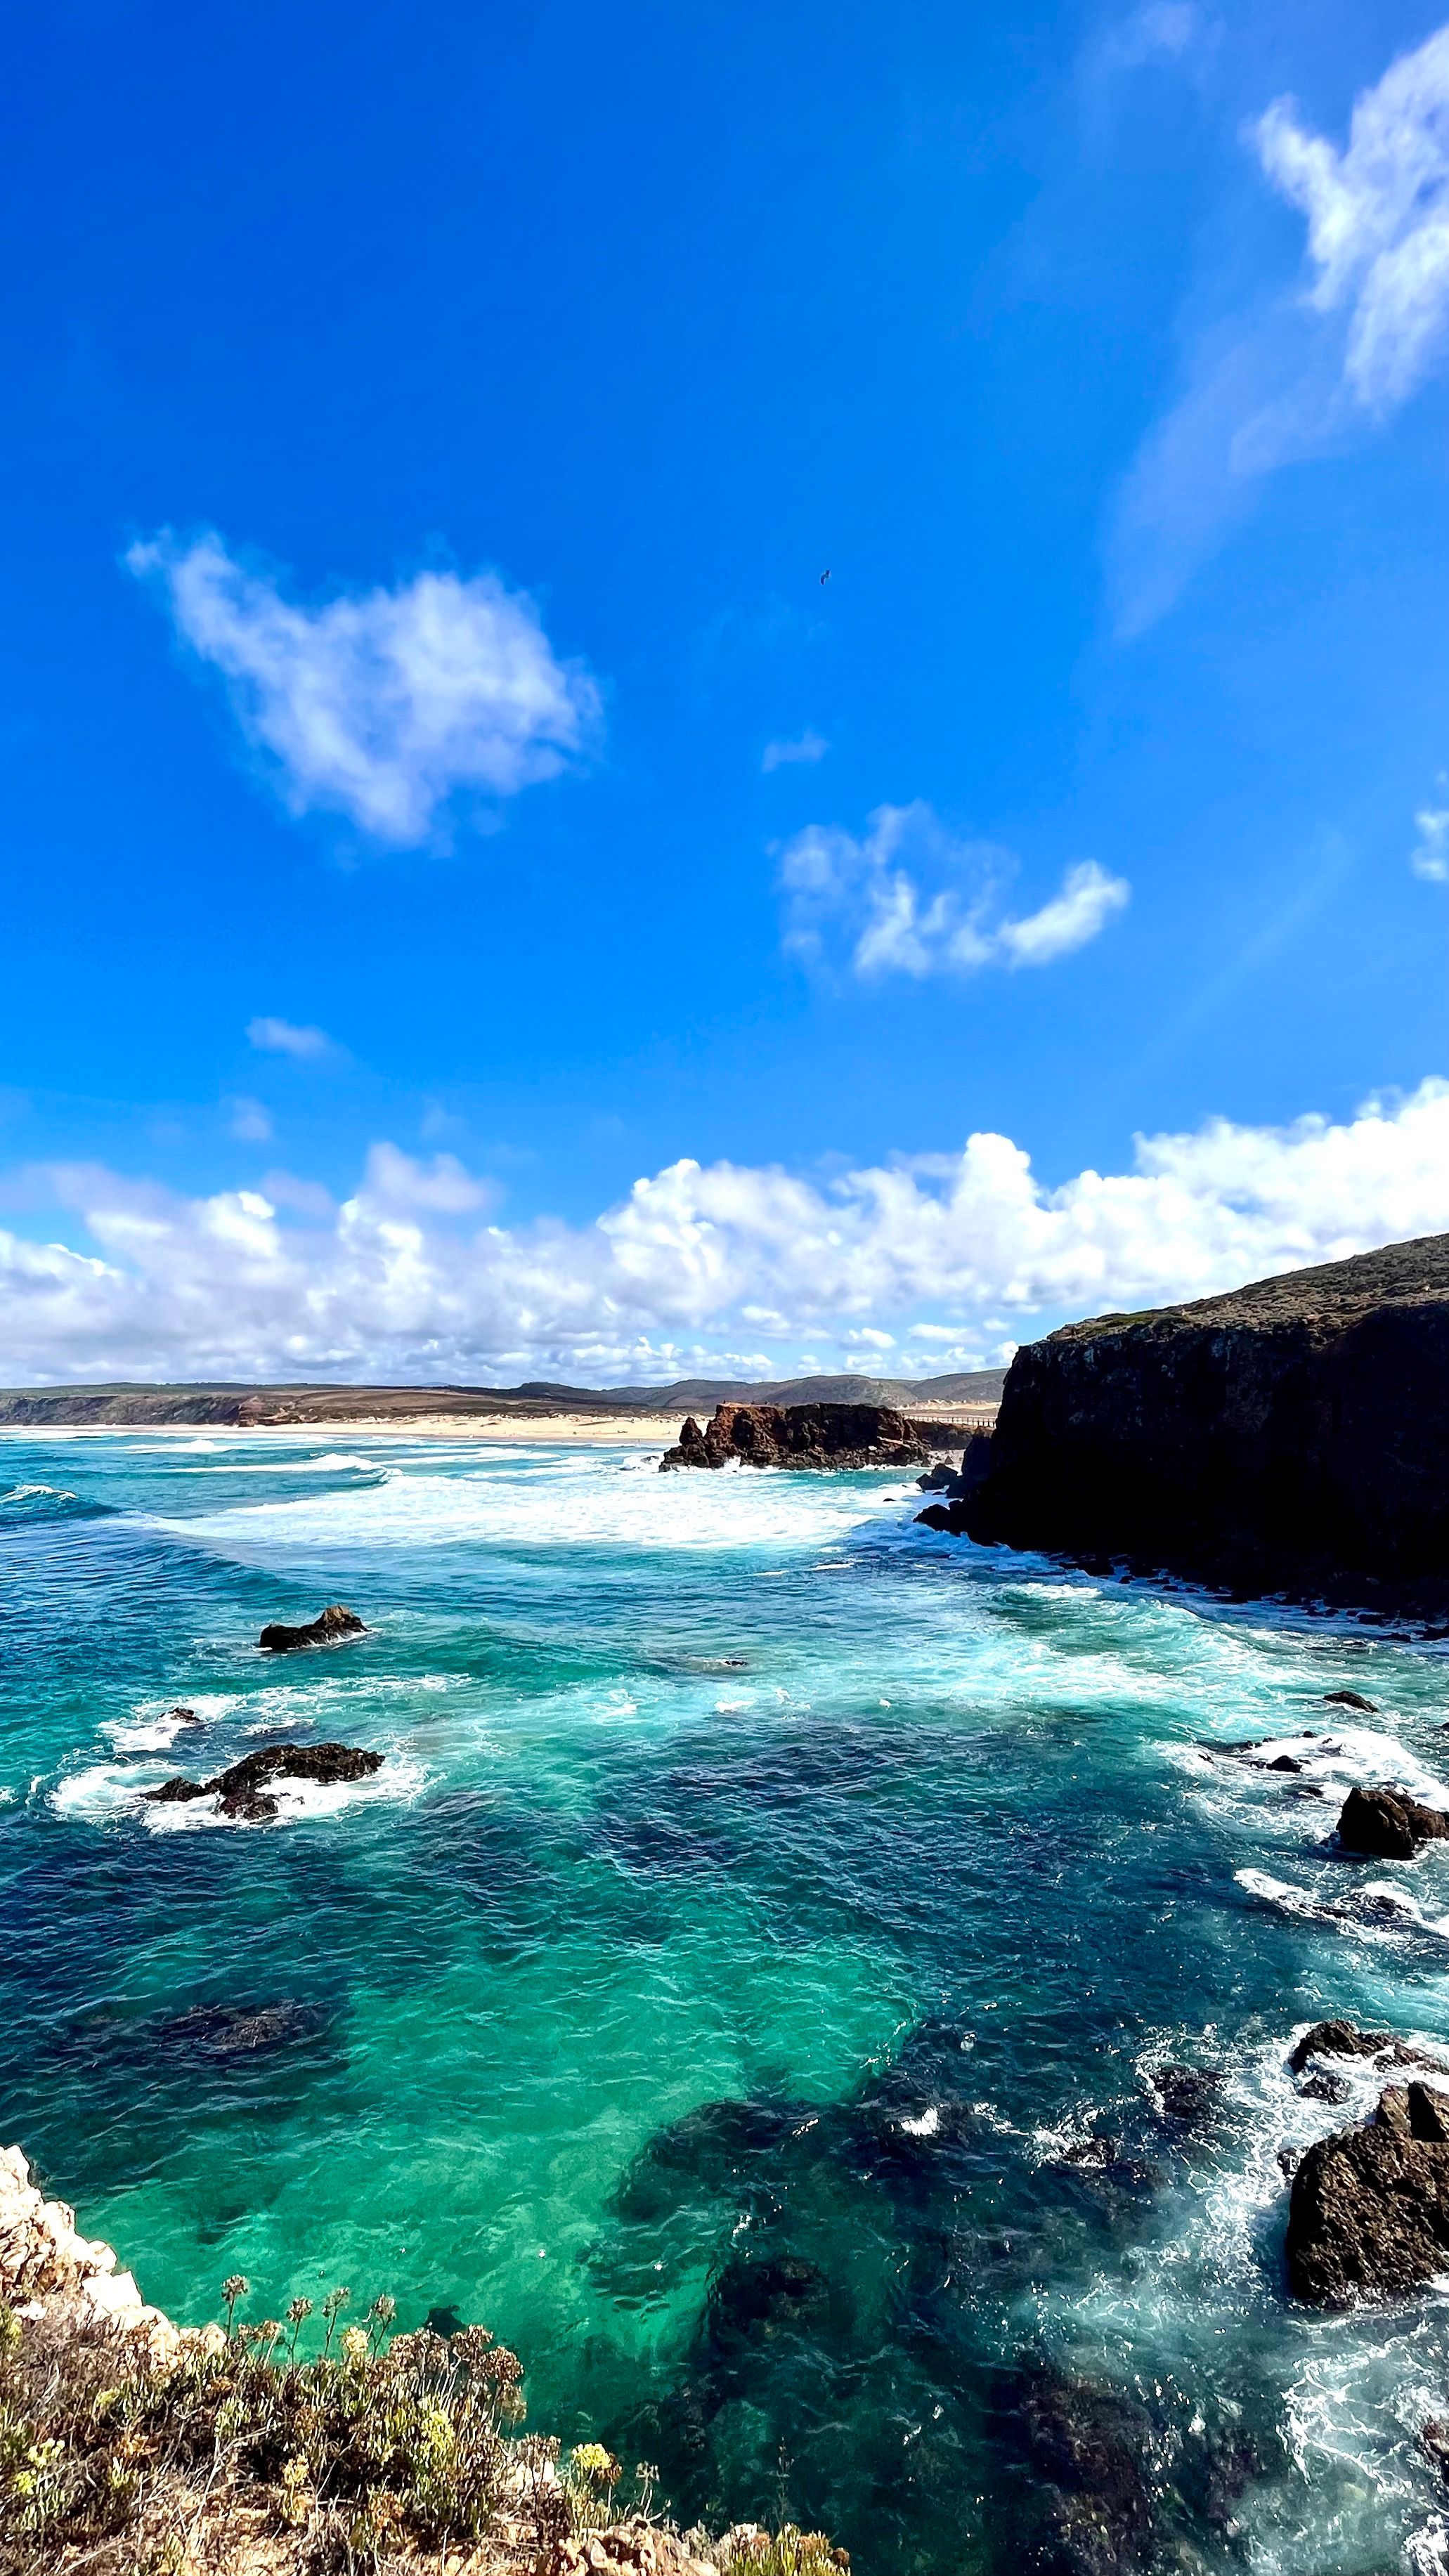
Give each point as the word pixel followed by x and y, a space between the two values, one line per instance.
pixel 759 1898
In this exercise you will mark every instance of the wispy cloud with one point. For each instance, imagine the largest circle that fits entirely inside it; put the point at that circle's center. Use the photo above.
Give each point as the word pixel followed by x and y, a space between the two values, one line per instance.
pixel 808 746
pixel 250 1121
pixel 408 1278
pixel 1320 359
pixel 908 897
pixel 283 1037
pixel 1160 31
pixel 383 704
pixel 1431 858
pixel 1378 221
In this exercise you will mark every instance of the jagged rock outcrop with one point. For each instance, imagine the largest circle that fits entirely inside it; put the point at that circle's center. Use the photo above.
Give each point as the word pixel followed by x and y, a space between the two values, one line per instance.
pixel 811 1435
pixel 1369 2212
pixel 1383 1824
pixel 1291 1437
pixel 242 1788
pixel 324 1630
pixel 958 1484
pixel 1345 2039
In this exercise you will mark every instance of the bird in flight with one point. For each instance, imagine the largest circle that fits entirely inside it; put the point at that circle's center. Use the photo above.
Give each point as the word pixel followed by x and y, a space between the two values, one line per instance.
pixel 825 576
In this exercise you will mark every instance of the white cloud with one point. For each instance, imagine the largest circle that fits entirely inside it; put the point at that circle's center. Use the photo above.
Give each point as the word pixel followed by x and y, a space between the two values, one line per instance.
pixel 1311 367
pixel 250 1121
pixel 910 898
pixel 808 746
pixel 282 1037
pixel 1431 858
pixel 395 1284
pixel 1378 220
pixel 383 704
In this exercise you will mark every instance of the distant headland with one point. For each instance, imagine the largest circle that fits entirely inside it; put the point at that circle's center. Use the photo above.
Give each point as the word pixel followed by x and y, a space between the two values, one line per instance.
pixel 247 1405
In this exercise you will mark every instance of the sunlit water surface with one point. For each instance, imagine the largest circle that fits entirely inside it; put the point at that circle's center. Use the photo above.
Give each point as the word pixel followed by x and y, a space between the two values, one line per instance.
pixel 752 1875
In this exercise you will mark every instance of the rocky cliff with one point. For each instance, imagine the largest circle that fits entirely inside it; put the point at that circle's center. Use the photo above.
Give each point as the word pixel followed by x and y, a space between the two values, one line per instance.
pixel 1291 1437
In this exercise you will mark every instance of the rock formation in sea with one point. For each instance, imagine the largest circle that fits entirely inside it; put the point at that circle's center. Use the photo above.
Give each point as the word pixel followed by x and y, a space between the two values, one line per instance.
pixel 324 1630
pixel 1290 1437
pixel 812 1435
pixel 242 1788
pixel 1369 2213
pixel 1382 1824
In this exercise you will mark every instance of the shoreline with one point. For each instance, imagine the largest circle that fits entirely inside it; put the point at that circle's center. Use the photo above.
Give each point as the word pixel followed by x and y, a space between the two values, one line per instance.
pixel 629 1430
pixel 562 1430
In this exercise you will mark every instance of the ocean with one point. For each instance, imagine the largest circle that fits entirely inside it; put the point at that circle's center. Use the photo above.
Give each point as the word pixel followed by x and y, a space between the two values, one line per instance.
pixel 748 1985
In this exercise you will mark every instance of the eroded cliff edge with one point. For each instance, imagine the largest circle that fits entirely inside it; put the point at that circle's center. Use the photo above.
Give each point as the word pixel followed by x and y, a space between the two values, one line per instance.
pixel 1292 1437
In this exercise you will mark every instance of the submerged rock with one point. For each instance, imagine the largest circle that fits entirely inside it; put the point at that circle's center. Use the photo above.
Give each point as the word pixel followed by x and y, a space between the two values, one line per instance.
pixel 1383 1824
pixel 757 2294
pixel 1091 2508
pixel 809 1435
pixel 324 1630
pixel 1350 1699
pixel 242 1788
pixel 1368 2216
pixel 241 2030
pixel 1188 2094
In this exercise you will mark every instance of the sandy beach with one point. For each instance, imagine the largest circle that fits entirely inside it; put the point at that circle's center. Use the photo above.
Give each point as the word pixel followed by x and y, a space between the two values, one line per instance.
pixel 569 1430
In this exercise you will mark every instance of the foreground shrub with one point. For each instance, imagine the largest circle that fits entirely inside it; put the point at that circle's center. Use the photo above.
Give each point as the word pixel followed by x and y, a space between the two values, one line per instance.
pixel 381 2452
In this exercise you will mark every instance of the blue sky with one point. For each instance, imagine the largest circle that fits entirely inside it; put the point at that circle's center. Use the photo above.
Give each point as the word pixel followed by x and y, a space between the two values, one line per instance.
pixel 480 905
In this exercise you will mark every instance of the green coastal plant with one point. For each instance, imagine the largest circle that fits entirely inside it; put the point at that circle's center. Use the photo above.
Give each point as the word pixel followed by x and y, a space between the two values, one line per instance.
pixel 383 2451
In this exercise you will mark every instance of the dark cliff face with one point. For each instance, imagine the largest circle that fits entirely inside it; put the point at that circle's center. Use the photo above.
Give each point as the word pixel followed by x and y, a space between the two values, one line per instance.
pixel 1291 1437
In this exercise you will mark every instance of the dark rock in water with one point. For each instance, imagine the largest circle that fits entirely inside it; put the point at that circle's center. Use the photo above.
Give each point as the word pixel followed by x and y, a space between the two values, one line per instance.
pixel 756 2295
pixel 185 1717
pixel 1289 1437
pixel 242 1788
pixel 443 2321
pixel 1289 2160
pixel 1350 1699
pixel 1368 2216
pixel 1434 2443
pixel 1382 1824
pixel 324 1630
pixel 809 1435
pixel 1324 2087
pixel 1345 2039
pixel 1090 2509
pixel 1188 2093
pixel 958 1483
pixel 241 2030
pixel 1284 1762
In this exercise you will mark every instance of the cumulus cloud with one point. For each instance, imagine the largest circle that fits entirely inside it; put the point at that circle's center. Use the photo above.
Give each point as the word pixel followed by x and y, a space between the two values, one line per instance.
pixel 808 746
pixel 908 897
pixel 737 1268
pixel 384 704
pixel 283 1037
pixel 1316 363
